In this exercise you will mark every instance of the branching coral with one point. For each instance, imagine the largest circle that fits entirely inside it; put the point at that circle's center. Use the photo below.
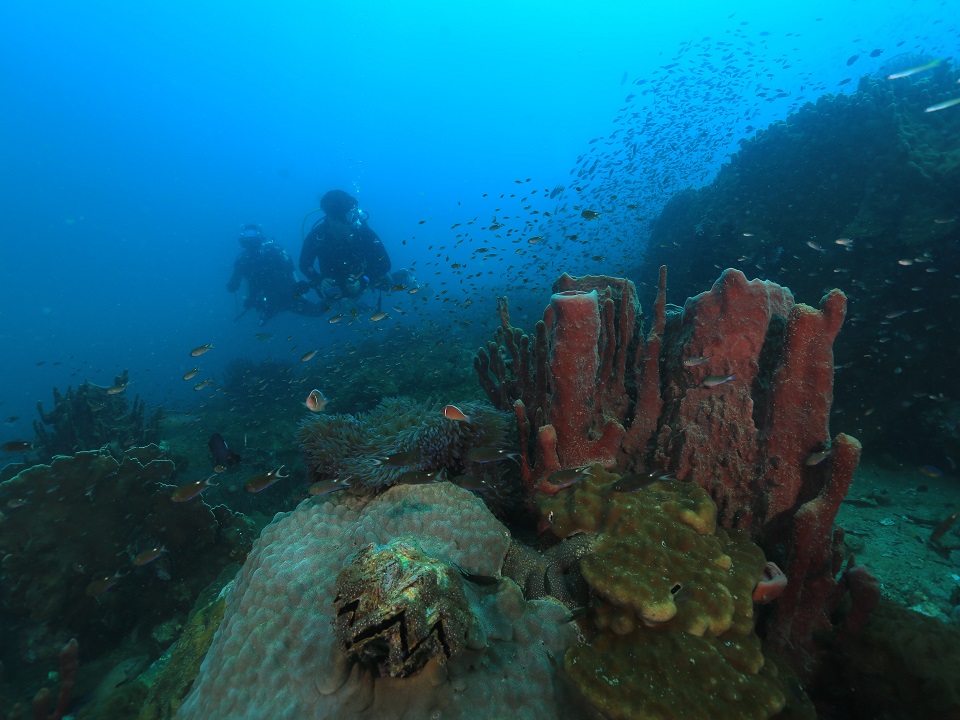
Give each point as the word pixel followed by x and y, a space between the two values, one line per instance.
pixel 92 417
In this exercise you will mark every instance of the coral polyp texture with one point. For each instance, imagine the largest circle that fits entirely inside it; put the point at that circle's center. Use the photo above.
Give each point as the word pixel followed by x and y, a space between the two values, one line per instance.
pixel 277 654
pixel 374 449
pixel 670 592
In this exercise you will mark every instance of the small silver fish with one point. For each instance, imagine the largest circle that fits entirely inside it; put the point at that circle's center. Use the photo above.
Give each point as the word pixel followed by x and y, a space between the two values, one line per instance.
pixel 714 380
pixel 818 457
pixel 695 361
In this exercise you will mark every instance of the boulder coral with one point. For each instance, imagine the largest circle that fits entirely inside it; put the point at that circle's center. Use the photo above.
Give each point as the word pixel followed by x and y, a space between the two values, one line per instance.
pixel 277 654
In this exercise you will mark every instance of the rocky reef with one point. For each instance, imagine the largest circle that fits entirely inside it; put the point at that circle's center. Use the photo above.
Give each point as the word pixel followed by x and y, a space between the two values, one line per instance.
pixel 665 468
pixel 860 190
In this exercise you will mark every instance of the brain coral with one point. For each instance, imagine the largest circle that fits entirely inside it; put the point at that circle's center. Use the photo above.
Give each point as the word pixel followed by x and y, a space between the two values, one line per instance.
pixel 276 655
pixel 355 447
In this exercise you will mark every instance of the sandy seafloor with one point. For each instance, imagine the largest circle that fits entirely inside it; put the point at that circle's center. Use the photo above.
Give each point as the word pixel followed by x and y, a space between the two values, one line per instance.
pixel 889 515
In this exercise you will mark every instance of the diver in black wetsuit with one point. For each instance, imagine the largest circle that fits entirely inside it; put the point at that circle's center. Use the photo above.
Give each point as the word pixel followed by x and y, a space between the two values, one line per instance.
pixel 271 284
pixel 348 253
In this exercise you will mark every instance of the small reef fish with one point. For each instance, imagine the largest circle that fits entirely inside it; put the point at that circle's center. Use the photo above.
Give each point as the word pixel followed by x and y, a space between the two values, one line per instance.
pixel 201 385
pixel 264 480
pixel 471 482
pixel 12 419
pixel 714 380
pixel 818 457
pixel 16 446
pixel 333 319
pixel 589 214
pixel 565 478
pixel 264 337
pixel 914 70
pixel 931 471
pixel 378 316
pixel 325 487
pixel 632 483
pixel 222 454
pixel 191 374
pixel 942 528
pixel 201 349
pixel 116 389
pixel 148 556
pixel 308 356
pixel 17 502
pixel 315 401
pixel 101 585
pixel 397 459
pixel 188 492
pixel 943 105
pixel 452 412
pixel 490 454
pixel 420 477
pixel 695 361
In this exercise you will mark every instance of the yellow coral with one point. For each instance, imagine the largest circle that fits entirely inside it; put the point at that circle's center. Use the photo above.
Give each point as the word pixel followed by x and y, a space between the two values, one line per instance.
pixel 672 600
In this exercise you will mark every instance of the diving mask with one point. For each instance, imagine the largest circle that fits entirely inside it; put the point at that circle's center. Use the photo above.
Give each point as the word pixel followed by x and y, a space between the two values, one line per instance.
pixel 356 217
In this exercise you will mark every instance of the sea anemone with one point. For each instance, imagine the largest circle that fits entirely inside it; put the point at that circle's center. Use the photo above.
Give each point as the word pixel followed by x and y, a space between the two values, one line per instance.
pixel 397 440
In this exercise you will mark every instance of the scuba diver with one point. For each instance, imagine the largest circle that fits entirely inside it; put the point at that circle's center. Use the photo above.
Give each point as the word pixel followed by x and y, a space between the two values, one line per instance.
pixel 271 284
pixel 348 253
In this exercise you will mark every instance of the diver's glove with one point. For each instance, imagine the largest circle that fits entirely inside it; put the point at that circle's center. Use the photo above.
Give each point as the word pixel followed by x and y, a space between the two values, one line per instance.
pixel 301 288
pixel 328 289
pixel 353 285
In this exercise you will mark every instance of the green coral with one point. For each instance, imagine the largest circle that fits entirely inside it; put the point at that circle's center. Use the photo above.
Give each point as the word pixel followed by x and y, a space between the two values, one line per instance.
pixel 177 669
pixel 672 604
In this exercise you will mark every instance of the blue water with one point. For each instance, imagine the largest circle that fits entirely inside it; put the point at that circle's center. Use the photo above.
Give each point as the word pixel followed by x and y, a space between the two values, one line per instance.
pixel 137 137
